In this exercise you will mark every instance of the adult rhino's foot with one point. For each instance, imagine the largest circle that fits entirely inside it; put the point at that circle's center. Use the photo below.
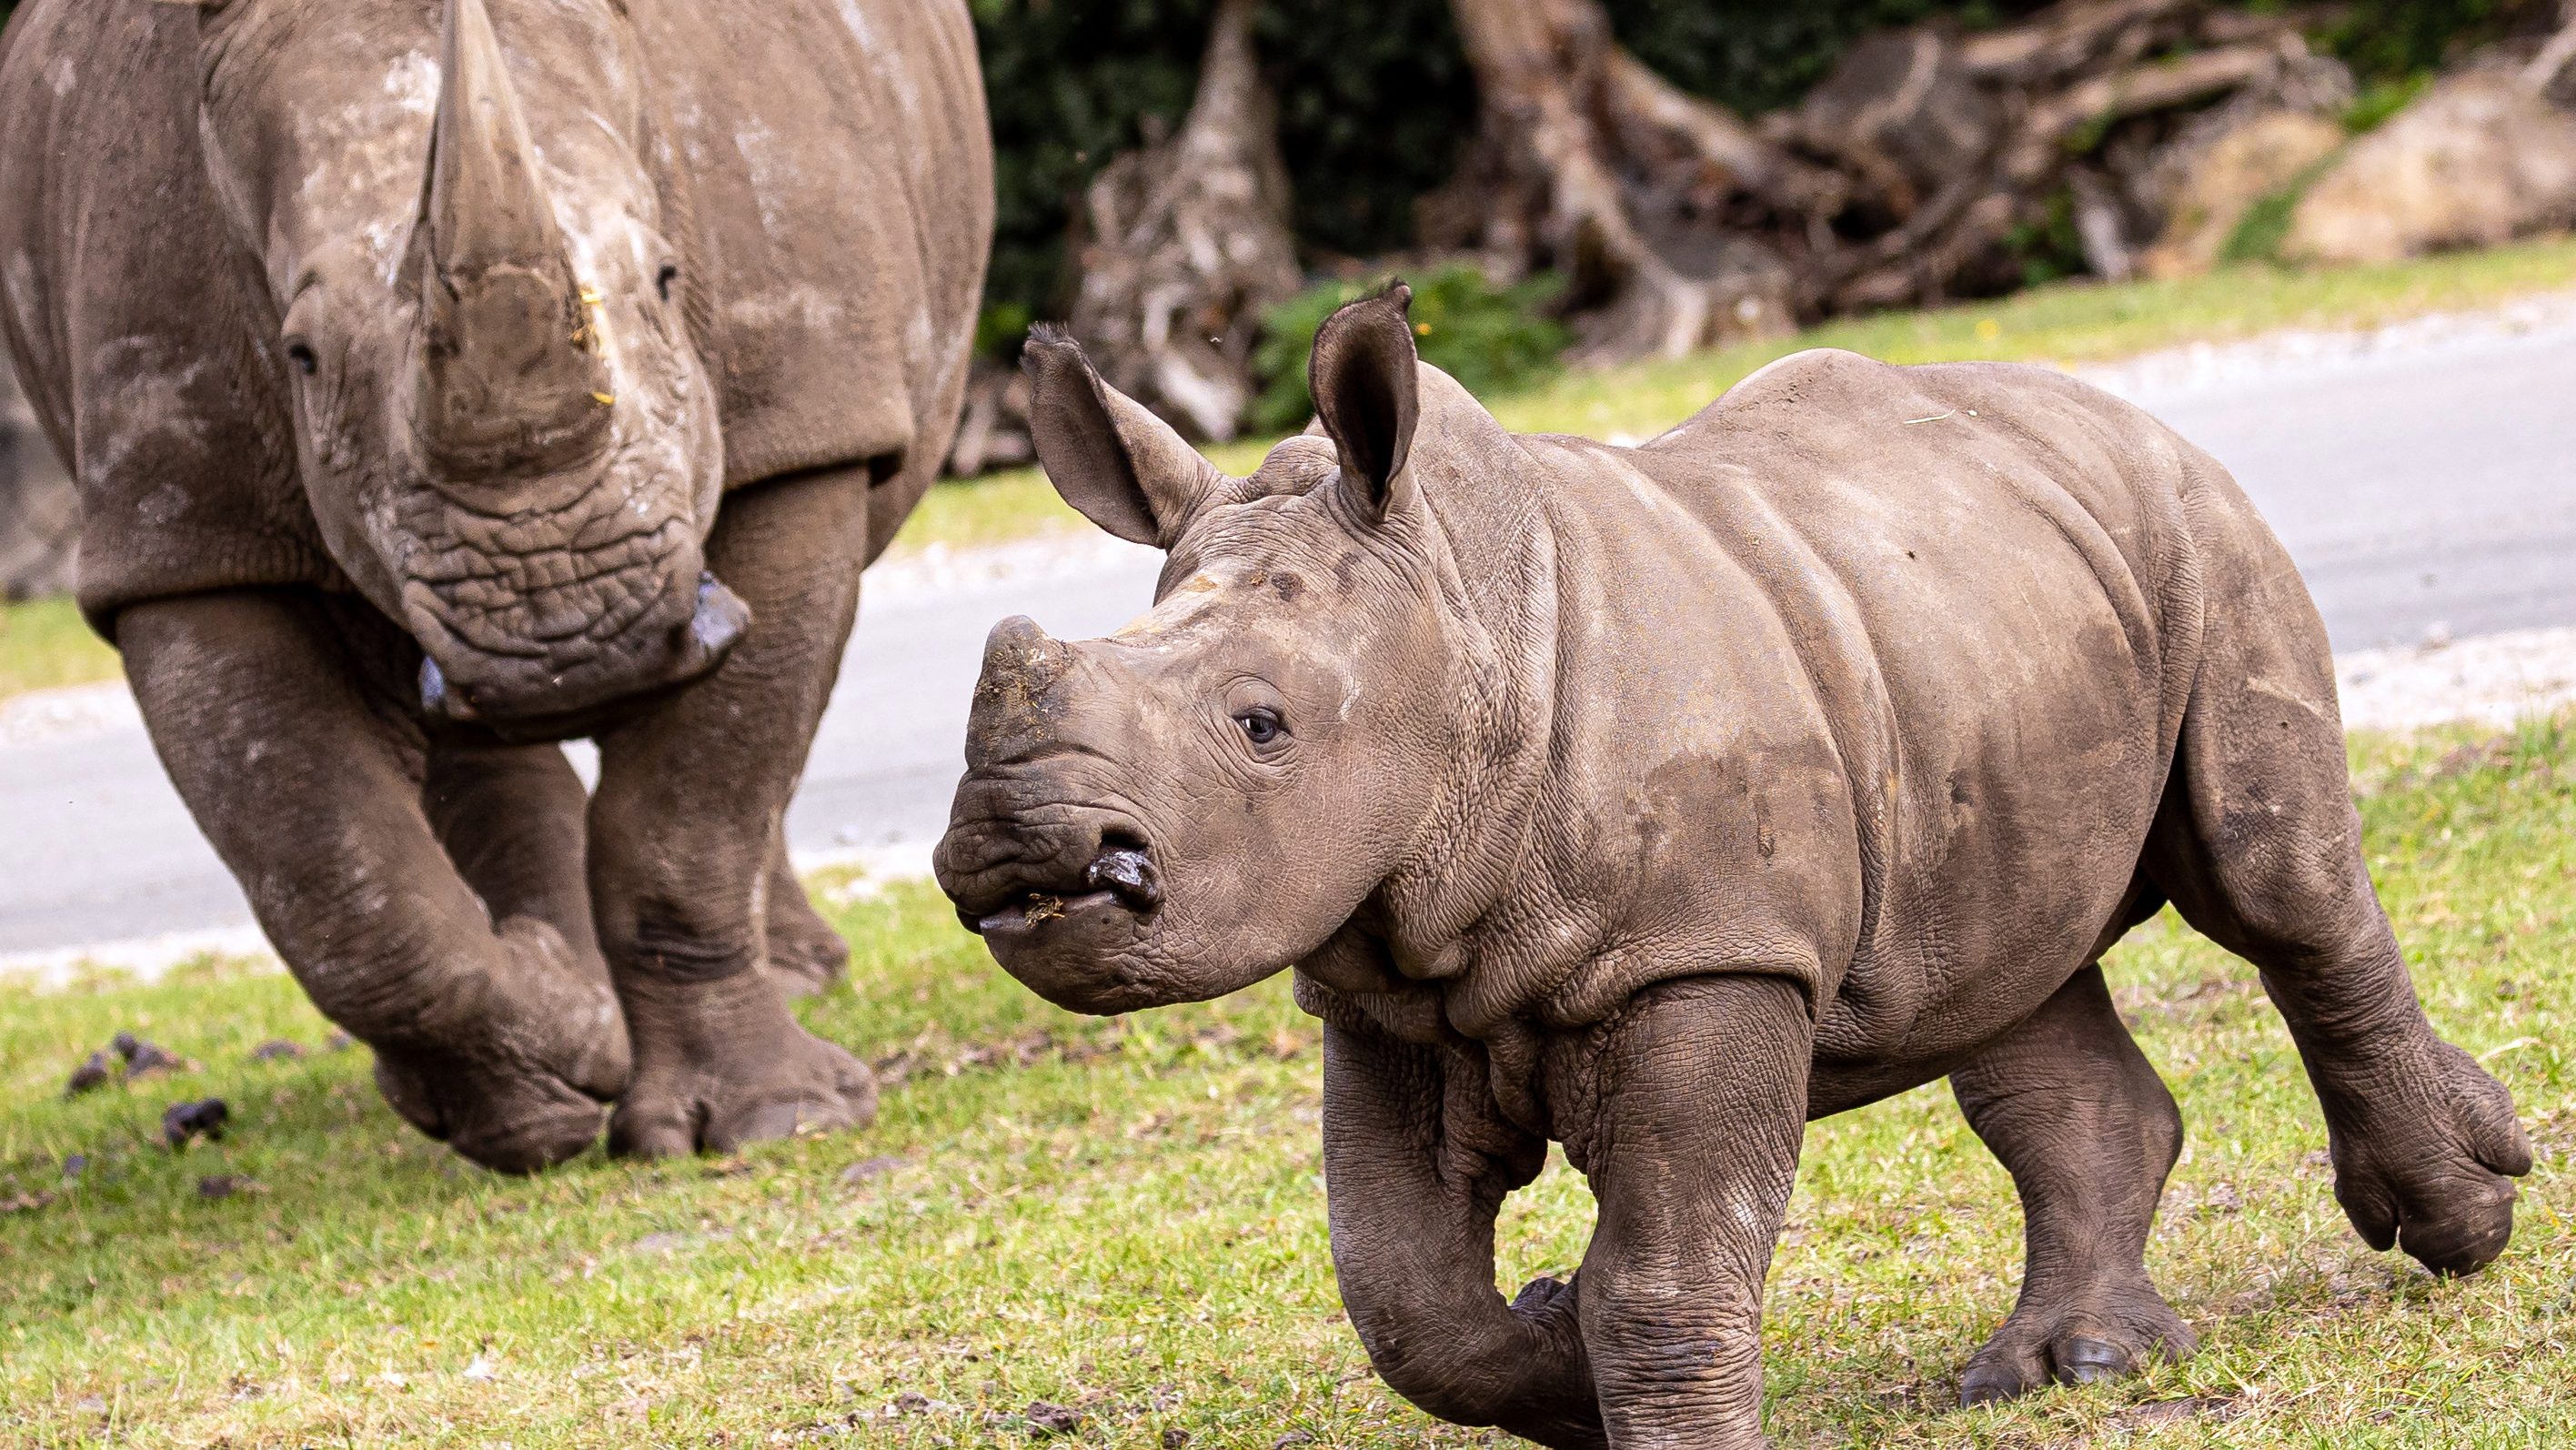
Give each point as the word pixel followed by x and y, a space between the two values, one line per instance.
pixel 721 1064
pixel 2425 1154
pixel 516 1071
pixel 2096 1332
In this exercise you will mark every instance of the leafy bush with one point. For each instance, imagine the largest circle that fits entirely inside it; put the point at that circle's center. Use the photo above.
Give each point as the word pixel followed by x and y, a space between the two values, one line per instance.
pixel 1491 339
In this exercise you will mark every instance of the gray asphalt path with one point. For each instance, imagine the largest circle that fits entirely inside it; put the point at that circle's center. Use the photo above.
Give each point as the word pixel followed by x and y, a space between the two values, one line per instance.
pixel 2421 489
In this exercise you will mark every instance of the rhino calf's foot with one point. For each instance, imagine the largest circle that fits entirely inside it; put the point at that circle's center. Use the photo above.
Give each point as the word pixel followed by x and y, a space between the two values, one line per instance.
pixel 2096 1332
pixel 721 1064
pixel 2425 1154
pixel 2076 1112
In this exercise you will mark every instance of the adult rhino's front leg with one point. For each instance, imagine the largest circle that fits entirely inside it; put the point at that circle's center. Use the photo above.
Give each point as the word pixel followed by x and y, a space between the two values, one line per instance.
pixel 684 839
pixel 493 1028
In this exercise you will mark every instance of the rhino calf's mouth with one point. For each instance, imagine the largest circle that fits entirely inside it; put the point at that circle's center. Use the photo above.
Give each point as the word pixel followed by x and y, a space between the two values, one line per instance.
pixel 1121 877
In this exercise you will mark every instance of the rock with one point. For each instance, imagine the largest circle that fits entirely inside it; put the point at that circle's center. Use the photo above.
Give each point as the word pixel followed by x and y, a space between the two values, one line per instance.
pixel 276 1049
pixel 225 1185
pixel 2477 161
pixel 92 1073
pixel 184 1123
pixel 1175 1439
pixel 2227 176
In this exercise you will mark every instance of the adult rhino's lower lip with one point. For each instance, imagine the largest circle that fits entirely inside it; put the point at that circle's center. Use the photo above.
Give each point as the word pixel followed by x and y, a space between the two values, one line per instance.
pixel 548 696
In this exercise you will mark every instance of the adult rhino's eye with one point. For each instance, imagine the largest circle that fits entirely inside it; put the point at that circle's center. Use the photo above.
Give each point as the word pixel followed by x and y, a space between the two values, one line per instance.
pixel 1260 726
pixel 301 354
pixel 663 279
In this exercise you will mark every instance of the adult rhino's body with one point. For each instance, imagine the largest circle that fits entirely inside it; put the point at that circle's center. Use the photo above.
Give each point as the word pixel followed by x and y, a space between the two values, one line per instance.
pixel 440 380
pixel 1655 800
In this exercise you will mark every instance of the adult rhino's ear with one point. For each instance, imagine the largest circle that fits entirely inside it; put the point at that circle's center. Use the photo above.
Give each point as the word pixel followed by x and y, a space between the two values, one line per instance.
pixel 1362 376
pixel 1112 459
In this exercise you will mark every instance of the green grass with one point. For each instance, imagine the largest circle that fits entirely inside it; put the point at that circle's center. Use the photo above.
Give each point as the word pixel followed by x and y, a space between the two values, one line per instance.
pixel 1126 1216
pixel 43 644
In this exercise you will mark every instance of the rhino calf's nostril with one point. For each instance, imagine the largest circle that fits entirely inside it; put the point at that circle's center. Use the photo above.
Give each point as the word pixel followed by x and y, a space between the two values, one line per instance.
pixel 1130 874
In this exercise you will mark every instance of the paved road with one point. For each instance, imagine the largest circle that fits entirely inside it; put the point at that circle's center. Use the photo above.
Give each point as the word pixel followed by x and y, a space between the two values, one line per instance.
pixel 2429 487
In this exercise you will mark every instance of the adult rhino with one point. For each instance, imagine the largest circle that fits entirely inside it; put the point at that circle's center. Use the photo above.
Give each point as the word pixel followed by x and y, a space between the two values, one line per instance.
pixel 442 382
pixel 1658 800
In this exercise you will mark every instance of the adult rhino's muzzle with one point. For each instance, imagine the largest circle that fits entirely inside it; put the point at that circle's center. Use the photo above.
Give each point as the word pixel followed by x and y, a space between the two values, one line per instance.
pixel 550 695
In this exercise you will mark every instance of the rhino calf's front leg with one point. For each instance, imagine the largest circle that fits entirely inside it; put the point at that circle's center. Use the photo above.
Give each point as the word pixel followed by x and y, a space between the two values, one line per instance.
pixel 1416 1164
pixel 1699 1110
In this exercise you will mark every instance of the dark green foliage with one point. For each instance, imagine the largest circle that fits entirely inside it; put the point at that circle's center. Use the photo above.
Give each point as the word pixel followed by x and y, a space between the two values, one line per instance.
pixel 2047 249
pixel 1376 101
pixel 1491 339
pixel 2387 40
pixel 1759 55
pixel 2382 99
pixel 2266 225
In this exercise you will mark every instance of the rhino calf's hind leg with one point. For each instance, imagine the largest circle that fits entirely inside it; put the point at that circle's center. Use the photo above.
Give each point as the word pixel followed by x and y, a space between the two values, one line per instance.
pixel 2258 845
pixel 492 1029
pixel 2089 1132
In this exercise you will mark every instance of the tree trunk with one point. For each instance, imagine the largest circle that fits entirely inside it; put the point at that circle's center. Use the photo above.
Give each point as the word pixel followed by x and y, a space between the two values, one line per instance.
pixel 1928 165
pixel 1189 245
pixel 1649 199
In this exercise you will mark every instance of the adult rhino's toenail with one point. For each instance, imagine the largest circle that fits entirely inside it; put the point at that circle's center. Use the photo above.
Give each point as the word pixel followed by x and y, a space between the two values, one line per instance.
pixel 2083 1360
pixel 1987 1387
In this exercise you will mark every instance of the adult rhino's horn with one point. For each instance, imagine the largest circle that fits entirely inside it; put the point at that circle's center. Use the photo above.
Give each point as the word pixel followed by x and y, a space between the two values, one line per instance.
pixel 509 375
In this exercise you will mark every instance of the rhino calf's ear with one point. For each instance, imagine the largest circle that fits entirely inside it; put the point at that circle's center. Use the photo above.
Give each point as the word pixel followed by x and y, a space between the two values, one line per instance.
pixel 1362 376
pixel 1112 459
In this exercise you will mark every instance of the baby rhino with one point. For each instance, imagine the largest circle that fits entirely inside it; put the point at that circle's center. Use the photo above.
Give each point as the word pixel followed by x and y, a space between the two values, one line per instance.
pixel 1657 800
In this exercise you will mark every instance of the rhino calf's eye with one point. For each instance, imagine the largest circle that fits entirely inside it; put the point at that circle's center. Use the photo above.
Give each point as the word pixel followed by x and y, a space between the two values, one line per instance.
pixel 663 279
pixel 1260 726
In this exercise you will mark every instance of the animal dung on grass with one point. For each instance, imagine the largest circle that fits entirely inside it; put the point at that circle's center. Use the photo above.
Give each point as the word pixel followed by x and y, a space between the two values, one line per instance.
pixel 184 1123
pixel 91 1074
pixel 143 1058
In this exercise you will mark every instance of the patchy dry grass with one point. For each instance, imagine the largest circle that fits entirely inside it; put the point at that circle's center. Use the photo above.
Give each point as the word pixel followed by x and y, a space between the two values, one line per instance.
pixel 1126 1218
pixel 45 644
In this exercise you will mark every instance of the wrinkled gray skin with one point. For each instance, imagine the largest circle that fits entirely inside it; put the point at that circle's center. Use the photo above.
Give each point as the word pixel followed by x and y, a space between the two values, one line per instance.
pixel 442 381
pixel 1657 800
